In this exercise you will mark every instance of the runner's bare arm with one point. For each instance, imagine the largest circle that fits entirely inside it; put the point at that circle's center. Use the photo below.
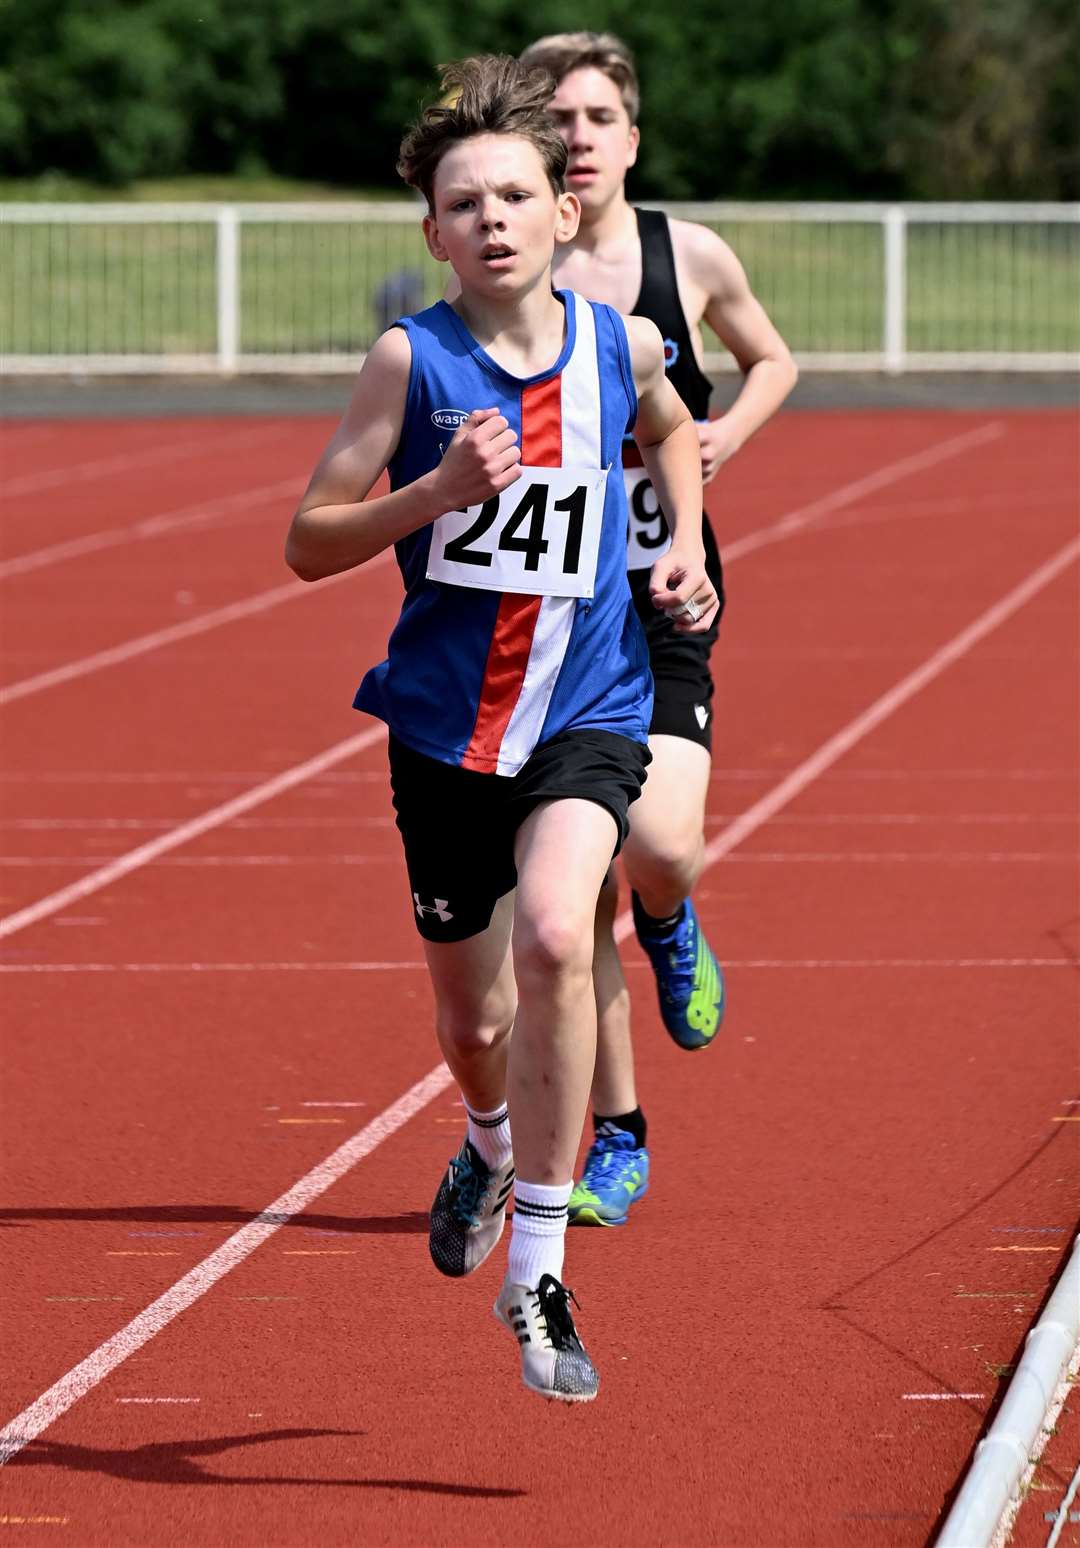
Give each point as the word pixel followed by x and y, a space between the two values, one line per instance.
pixel 336 527
pixel 668 441
pixel 743 327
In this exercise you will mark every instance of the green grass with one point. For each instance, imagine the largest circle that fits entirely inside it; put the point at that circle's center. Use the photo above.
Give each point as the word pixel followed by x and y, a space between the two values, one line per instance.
pixel 312 287
pixel 969 287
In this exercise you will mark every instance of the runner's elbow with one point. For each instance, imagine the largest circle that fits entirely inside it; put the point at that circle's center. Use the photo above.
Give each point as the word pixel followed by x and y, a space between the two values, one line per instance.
pixel 301 559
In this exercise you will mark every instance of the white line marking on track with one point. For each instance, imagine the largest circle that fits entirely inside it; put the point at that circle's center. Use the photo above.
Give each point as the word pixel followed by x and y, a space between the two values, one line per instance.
pixel 26 1426
pixel 918 462
pixel 787 526
pixel 65 477
pixel 195 515
pixel 943 1397
pixel 94 1369
pixel 143 643
pixel 69 776
pixel 400 967
pixel 159 1400
pixel 298 823
pixel 854 732
pixel 758 857
pixel 752 819
pixel 123 865
pixel 261 602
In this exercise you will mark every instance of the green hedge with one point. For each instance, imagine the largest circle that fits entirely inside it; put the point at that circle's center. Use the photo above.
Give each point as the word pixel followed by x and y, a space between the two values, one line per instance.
pixel 774 99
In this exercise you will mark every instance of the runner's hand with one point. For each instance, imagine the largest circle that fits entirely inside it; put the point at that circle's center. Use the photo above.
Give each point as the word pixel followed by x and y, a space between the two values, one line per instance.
pixel 717 445
pixel 678 579
pixel 481 460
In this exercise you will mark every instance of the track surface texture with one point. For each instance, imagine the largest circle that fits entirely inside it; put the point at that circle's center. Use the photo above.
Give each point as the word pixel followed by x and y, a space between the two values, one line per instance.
pixel 862 1192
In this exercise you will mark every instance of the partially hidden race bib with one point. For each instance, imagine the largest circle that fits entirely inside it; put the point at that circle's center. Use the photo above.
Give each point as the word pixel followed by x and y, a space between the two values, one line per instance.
pixel 648 537
pixel 539 537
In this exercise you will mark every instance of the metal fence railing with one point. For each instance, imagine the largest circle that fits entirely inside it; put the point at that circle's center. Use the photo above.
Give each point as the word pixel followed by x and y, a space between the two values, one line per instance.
pixel 127 288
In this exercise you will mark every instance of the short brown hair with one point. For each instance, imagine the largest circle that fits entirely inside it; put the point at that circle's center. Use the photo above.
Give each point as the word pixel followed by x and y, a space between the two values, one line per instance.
pixel 488 94
pixel 562 52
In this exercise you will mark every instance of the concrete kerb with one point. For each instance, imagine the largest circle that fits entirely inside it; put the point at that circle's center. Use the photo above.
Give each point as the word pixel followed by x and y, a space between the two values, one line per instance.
pixel 1019 1432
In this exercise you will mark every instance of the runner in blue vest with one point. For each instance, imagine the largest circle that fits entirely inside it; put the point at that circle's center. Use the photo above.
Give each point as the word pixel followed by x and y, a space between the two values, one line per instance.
pixel 678 274
pixel 516 685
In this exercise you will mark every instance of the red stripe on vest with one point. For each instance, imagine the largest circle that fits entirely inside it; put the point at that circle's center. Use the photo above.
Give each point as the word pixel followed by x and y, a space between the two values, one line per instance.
pixel 511 641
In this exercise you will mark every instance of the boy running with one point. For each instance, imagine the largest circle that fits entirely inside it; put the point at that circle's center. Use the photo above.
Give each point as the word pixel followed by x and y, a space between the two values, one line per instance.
pixel 517 686
pixel 677 274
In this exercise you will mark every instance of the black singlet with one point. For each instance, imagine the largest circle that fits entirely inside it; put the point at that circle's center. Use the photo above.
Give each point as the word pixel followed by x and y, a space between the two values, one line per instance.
pixel 658 300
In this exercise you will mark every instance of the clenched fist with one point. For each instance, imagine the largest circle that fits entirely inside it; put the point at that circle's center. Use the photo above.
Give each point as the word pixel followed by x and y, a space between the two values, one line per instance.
pixel 482 460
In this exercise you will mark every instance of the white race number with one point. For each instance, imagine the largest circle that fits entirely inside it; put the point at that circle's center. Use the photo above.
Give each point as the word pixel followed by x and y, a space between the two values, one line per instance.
pixel 539 537
pixel 648 537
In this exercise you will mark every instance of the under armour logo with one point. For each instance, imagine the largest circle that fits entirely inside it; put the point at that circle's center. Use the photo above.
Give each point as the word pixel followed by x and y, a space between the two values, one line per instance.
pixel 439 909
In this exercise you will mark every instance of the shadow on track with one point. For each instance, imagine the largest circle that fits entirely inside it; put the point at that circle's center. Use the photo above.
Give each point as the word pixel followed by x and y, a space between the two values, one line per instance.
pixel 179 1462
pixel 413 1222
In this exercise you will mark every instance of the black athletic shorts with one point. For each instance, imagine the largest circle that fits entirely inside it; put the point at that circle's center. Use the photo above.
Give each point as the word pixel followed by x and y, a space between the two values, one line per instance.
pixel 458 826
pixel 683 692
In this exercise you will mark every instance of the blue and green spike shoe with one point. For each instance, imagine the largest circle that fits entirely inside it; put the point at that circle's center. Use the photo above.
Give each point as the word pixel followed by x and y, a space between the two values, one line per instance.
pixel 689 980
pixel 616 1175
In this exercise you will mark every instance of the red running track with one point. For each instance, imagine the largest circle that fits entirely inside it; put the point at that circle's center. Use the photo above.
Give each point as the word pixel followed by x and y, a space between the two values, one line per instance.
pixel 862 1193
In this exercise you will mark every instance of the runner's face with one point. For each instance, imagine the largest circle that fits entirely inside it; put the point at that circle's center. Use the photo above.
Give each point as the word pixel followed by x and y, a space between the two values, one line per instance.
pixel 496 218
pixel 600 138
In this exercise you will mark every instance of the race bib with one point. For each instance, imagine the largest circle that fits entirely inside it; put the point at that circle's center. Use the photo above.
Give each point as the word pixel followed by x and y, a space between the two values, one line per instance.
pixel 648 537
pixel 540 537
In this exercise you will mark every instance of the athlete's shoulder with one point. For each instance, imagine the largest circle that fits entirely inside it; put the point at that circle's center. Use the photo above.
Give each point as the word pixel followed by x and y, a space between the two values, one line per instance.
pixel 389 360
pixel 706 258
pixel 433 319
pixel 646 345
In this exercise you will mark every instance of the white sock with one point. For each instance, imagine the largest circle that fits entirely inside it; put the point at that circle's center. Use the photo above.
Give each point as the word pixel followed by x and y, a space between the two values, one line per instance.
pixel 489 1135
pixel 539 1232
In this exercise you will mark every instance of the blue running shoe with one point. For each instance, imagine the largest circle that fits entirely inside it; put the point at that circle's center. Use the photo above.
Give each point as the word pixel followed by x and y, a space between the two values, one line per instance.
pixel 689 980
pixel 616 1175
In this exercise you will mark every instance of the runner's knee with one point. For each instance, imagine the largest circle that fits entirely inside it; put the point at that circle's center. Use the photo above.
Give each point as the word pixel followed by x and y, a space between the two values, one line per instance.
pixel 670 859
pixel 472 1028
pixel 552 949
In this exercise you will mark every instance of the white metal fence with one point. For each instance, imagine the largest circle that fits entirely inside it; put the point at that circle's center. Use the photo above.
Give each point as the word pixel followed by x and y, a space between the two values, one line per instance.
pixel 163 288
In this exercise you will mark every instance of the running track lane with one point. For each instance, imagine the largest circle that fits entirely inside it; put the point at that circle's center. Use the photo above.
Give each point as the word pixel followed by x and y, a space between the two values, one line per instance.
pixel 664 1073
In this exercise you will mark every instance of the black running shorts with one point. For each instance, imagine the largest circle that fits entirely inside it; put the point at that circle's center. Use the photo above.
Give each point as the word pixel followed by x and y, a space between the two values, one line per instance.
pixel 458 826
pixel 683 685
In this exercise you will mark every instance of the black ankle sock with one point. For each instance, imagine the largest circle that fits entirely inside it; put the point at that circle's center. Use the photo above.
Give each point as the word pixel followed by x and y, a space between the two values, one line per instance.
pixel 634 1123
pixel 649 925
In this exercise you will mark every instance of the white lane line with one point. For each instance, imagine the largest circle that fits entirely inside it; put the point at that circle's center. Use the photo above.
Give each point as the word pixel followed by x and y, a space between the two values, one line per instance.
pixel 918 462
pixel 787 526
pixel 898 856
pixel 757 857
pixel 159 1400
pixel 943 1397
pixel 134 859
pixel 907 774
pixel 752 819
pixel 28 1425
pixel 856 730
pixel 807 820
pixel 199 514
pixel 298 823
pixel 143 643
pixel 270 862
pixel 73 473
pixel 248 824
pixel 60 1397
pixel 770 963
